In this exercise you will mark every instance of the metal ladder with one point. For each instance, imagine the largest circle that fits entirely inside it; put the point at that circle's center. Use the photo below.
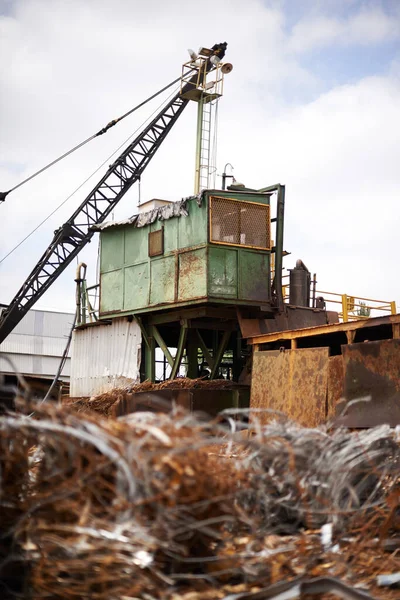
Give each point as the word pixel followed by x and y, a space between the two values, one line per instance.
pixel 205 146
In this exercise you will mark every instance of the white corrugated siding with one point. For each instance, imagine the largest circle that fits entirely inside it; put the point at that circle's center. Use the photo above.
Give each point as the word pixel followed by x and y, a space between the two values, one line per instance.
pixel 39 366
pixel 104 357
pixel 37 343
pixel 44 323
pixel 21 343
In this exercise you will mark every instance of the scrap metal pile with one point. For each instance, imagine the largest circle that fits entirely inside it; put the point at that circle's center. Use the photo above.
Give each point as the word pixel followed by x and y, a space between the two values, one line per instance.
pixel 168 506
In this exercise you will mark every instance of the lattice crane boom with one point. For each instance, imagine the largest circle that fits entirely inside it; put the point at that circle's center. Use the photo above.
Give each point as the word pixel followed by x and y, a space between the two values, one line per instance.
pixel 71 237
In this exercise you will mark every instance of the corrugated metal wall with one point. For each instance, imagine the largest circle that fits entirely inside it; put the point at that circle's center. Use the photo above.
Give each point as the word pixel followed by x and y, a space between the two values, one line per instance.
pixel 37 344
pixel 105 357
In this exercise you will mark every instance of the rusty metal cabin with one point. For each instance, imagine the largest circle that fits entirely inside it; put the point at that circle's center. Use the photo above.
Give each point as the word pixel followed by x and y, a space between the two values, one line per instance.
pixel 188 277
pixel 216 249
pixel 181 269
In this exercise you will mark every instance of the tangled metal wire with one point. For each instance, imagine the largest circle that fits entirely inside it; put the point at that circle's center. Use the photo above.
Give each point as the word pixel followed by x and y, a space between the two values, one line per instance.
pixel 162 505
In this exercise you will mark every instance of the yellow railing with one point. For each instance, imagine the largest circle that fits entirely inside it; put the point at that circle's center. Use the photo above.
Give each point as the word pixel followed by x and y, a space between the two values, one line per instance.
pixel 351 308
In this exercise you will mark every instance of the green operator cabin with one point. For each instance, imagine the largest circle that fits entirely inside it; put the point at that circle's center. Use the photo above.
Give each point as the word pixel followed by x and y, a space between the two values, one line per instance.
pixel 219 253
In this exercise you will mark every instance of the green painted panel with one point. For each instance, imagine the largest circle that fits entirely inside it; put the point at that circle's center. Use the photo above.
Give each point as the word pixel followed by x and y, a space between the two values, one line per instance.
pixel 155 226
pixel 112 291
pixel 254 283
pixel 136 244
pixel 162 287
pixel 171 235
pixel 222 272
pixel 192 274
pixel 192 230
pixel 136 292
pixel 132 281
pixel 112 250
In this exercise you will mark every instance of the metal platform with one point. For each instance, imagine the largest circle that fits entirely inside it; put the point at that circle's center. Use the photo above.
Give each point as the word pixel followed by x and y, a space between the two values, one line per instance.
pixel 372 327
pixel 348 373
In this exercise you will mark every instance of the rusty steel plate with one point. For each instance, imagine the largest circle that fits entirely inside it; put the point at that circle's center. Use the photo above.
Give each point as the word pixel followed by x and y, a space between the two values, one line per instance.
pixel 292 318
pixel 335 384
pixel 291 381
pixel 209 401
pixel 372 382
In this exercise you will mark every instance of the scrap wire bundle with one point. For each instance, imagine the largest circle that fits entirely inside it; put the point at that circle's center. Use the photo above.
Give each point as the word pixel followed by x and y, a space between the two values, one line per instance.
pixel 152 504
pixel 306 477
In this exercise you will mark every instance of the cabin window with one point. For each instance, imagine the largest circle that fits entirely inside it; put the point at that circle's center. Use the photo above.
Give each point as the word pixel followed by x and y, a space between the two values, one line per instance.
pixel 156 242
pixel 239 223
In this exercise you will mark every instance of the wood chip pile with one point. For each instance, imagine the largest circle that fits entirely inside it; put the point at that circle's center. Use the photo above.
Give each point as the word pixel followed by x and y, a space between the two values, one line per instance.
pixel 168 506
pixel 104 404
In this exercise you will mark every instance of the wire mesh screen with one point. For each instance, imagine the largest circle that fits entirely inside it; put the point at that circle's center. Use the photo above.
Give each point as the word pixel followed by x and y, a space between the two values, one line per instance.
pixel 156 242
pixel 240 223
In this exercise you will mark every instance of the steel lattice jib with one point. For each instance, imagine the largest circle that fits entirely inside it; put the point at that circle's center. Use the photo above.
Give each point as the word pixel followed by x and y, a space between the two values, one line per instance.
pixel 219 253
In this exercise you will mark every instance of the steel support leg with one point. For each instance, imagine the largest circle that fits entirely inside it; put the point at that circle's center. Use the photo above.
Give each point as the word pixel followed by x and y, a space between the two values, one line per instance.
pixel 163 345
pixel 150 359
pixel 237 350
pixel 220 353
pixel 180 350
pixel 192 348
pixel 209 359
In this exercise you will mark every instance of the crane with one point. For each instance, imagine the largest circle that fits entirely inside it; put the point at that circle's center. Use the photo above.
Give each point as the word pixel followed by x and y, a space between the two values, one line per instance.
pixel 76 232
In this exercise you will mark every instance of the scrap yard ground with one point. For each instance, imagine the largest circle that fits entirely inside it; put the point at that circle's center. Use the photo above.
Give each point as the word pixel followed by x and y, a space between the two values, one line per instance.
pixel 208 423
pixel 177 505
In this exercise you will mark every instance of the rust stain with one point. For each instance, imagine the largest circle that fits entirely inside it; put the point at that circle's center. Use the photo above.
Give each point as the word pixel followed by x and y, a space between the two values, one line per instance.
pixel 294 382
pixel 189 263
pixel 335 384
pixel 192 275
pixel 372 372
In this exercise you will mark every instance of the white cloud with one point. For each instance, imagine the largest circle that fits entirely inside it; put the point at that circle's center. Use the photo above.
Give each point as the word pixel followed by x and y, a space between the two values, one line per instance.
pixel 368 26
pixel 68 68
pixel 338 156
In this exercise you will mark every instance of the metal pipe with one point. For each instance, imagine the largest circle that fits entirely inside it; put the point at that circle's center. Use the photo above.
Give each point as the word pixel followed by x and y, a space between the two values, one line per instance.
pixel 224 175
pixel 79 278
pixel 314 289
pixel 280 217
pixel 345 308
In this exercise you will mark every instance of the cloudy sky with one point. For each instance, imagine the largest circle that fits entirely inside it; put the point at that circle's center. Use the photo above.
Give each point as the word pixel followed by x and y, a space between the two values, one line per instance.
pixel 313 102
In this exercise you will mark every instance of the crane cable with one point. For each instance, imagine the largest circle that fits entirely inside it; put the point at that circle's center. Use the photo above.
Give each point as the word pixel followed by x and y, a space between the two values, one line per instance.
pixel 3 195
pixel 87 179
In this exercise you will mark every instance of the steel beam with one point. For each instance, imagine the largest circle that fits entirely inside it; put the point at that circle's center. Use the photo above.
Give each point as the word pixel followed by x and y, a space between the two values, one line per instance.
pixel 190 312
pixel 150 359
pixel 204 349
pixel 180 350
pixel 220 353
pixel 163 345
pixel 143 331
pixel 192 348
pixel 392 320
